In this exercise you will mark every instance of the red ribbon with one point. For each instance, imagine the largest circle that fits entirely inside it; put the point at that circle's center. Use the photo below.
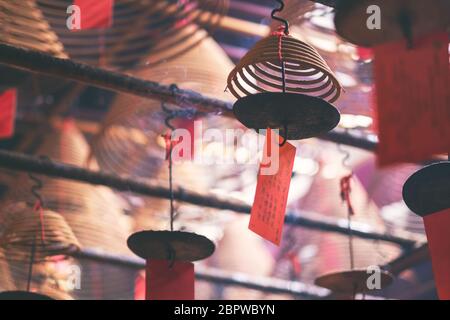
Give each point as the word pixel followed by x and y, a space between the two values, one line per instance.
pixel 295 262
pixel 345 192
pixel 280 33
pixel 38 208
pixel 169 143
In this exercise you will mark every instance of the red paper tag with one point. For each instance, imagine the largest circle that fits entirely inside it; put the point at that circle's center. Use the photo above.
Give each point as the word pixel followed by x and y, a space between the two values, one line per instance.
pixel 139 287
pixel 413 99
pixel 95 14
pixel 437 227
pixel 165 282
pixel 8 104
pixel 274 178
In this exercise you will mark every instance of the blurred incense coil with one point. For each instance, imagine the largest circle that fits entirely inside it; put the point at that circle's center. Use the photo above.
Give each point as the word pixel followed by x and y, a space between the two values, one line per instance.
pixel 321 253
pixel 51 278
pixel 306 72
pixel 27 230
pixel 22 24
pixel 129 141
pixel 6 280
pixel 155 30
pixel 94 213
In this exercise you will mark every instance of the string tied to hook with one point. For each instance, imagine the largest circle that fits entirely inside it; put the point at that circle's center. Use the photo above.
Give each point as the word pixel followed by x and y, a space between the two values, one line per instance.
pixel 282 20
pixel 345 185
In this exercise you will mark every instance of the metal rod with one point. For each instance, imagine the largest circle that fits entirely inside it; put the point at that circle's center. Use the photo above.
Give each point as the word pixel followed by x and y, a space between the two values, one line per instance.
pixel 21 162
pixel 265 284
pixel 38 62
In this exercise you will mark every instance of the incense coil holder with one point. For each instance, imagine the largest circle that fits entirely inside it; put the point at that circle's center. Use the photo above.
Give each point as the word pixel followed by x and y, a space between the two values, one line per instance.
pixel 352 281
pixel 22 24
pixel 23 230
pixel 142 34
pixel 170 245
pixel 260 70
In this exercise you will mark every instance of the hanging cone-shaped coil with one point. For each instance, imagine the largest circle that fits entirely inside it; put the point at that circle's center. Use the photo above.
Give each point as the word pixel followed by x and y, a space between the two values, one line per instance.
pixel 55 279
pixel 47 231
pixel 22 24
pixel 95 215
pixel 164 29
pixel 6 281
pixel 128 141
pixel 306 72
pixel 283 83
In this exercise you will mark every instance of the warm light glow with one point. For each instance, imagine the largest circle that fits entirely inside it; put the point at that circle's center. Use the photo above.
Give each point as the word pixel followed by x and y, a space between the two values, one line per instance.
pixel 351 121
pixel 305 166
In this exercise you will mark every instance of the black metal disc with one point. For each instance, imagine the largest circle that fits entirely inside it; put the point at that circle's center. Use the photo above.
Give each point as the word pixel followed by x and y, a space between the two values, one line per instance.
pixel 428 190
pixel 305 116
pixel 176 245
pixel 23 295
pixel 351 19
pixel 351 281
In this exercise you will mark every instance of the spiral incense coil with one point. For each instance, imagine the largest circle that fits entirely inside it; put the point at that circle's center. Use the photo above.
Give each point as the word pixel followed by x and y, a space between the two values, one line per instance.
pixel 134 124
pixel 156 30
pixel 22 24
pixel 260 70
pixel 94 213
pixel 50 278
pixel 24 229
pixel 6 280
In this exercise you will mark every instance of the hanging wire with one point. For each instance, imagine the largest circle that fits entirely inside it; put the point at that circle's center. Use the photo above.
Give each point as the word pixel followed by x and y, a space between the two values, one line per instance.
pixel 282 62
pixel 284 21
pixel 345 190
pixel 169 146
pixel 37 207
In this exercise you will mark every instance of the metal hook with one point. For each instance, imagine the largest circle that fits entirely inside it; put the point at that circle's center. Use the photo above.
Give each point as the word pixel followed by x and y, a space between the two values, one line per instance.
pixel 36 187
pixel 284 136
pixel 170 116
pixel 279 9
pixel 346 157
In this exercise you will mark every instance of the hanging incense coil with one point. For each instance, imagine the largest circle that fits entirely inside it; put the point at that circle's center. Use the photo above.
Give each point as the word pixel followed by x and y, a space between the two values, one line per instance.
pixel 395 214
pixel 351 282
pixel 22 24
pixel 25 228
pixel 157 31
pixel 306 72
pixel 6 280
pixel 94 213
pixel 133 125
pixel 283 83
pixel 327 253
pixel 51 278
